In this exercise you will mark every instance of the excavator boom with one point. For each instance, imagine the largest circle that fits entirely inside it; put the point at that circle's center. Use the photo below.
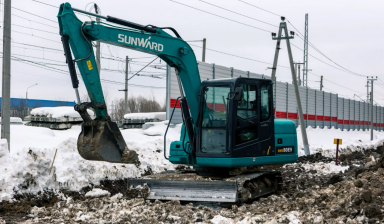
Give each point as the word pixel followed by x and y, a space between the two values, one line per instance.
pixel 100 138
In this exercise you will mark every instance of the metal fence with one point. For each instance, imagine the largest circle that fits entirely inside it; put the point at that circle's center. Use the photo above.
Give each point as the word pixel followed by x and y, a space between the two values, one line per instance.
pixel 321 109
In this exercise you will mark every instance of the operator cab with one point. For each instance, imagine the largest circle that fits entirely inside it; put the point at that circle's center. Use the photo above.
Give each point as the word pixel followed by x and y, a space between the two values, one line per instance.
pixel 236 118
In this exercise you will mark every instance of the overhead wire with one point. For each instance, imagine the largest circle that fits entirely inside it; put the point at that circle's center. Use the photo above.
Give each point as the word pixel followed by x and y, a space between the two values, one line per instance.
pixel 223 17
pixel 34 29
pixel 317 50
pixel 34 15
pixel 312 45
pixel 346 70
pixel 259 8
pixel 238 13
pixel 233 55
pixel 336 83
pixel 32 20
pixel 324 61
pixel 35 36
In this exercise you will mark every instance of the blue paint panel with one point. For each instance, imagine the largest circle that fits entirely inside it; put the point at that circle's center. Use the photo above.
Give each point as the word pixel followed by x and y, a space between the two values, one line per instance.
pixel 17 102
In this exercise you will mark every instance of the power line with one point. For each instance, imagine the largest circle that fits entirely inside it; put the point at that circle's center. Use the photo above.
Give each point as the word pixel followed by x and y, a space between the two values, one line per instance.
pixel 31 45
pixel 34 36
pixel 327 63
pixel 233 55
pixel 27 48
pixel 337 84
pixel 33 20
pixel 312 45
pixel 316 49
pixel 34 29
pixel 35 15
pixel 221 16
pixel 46 4
pixel 259 8
pixel 43 66
pixel 238 13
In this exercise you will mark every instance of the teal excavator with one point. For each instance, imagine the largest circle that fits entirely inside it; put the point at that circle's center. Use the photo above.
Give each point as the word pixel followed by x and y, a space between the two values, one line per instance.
pixel 228 130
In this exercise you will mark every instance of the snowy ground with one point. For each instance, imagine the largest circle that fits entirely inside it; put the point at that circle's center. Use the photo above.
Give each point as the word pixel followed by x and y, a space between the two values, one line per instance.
pixel 26 170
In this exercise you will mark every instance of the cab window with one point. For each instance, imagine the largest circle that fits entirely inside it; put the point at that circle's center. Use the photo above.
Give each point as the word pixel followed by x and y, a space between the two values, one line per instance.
pixel 265 111
pixel 247 106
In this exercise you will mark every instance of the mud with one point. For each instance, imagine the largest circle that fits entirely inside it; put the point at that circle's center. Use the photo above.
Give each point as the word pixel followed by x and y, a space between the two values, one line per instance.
pixel 308 196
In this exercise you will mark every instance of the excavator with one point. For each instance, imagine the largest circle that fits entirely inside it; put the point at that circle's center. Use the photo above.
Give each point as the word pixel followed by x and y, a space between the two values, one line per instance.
pixel 228 132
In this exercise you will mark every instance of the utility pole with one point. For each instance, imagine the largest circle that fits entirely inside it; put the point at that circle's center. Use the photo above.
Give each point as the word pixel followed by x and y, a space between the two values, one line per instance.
pixel 26 96
pixel 298 73
pixel 6 84
pixel 283 25
pixel 204 48
pixel 321 83
pixel 367 90
pixel 305 68
pixel 97 10
pixel 371 79
pixel 126 86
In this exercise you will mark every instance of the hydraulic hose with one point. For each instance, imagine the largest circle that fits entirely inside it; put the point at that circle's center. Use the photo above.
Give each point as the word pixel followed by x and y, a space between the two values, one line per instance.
pixel 166 131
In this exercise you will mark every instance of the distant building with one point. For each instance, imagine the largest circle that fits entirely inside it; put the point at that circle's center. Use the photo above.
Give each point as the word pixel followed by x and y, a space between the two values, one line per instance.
pixel 19 105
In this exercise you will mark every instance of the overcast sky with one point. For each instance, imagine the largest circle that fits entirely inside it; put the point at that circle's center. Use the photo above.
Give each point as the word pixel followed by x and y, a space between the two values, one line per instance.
pixel 348 32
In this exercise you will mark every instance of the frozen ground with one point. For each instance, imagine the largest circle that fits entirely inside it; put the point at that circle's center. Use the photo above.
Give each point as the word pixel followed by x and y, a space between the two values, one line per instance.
pixel 25 171
pixel 321 140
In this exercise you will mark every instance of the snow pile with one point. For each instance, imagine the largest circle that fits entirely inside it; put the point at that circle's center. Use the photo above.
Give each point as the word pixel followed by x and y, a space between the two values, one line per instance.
pixel 3 147
pixel 56 112
pixel 96 193
pixel 321 140
pixel 156 129
pixel 15 120
pixel 26 167
pixel 218 219
pixel 324 168
pixel 152 115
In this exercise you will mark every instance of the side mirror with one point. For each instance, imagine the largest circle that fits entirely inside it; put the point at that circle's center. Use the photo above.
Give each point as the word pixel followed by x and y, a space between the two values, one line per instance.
pixel 239 94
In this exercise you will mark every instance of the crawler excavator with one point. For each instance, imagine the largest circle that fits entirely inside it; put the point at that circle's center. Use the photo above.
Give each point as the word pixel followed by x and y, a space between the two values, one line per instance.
pixel 228 124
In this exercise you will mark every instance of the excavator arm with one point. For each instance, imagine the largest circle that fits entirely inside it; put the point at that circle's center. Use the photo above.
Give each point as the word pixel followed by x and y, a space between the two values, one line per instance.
pixel 100 138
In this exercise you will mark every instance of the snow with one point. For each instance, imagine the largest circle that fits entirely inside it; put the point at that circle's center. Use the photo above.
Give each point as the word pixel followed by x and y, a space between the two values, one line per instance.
pixel 152 115
pixel 325 168
pixel 158 130
pixel 15 120
pixel 26 167
pixel 3 147
pixel 321 140
pixel 55 112
pixel 96 193
pixel 218 219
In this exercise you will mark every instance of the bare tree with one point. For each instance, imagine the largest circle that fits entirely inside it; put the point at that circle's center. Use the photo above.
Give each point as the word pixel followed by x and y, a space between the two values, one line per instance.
pixel 138 104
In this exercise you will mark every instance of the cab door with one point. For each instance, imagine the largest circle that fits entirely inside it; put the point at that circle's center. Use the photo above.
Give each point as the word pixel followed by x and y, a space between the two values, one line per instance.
pixel 267 124
pixel 247 121
pixel 254 121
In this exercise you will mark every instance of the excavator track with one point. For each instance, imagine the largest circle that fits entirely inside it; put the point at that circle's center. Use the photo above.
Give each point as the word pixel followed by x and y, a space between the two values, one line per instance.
pixel 188 186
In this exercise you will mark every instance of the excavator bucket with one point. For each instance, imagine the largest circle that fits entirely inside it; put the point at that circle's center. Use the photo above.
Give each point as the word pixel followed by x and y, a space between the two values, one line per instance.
pixel 101 140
